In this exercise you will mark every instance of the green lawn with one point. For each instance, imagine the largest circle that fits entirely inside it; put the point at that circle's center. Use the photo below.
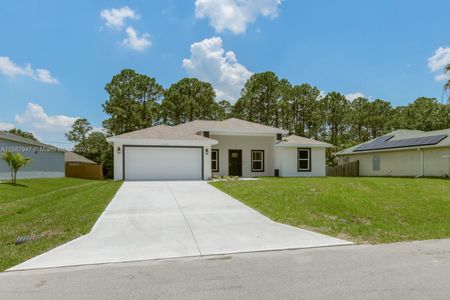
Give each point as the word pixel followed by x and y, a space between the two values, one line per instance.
pixel 363 210
pixel 56 210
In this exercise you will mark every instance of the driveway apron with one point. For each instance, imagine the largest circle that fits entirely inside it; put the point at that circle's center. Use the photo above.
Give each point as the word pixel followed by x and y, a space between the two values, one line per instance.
pixel 168 219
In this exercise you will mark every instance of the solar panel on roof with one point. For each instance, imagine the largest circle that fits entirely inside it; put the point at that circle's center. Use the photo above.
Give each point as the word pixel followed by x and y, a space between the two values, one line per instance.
pixel 377 142
pixel 385 142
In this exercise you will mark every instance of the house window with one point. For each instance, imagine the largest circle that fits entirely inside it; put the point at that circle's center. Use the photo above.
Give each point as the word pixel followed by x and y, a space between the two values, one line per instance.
pixel 215 160
pixel 303 160
pixel 257 160
pixel 375 163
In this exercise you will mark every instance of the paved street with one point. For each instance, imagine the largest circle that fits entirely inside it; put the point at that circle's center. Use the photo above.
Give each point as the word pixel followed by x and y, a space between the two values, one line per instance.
pixel 416 270
pixel 157 219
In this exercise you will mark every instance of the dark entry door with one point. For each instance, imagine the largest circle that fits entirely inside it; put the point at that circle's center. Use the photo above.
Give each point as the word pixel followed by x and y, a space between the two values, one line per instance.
pixel 235 163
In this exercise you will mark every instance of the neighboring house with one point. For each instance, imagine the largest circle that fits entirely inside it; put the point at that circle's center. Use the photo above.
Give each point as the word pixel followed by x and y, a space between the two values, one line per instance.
pixel 200 149
pixel 80 167
pixel 47 161
pixel 402 153
pixel 73 159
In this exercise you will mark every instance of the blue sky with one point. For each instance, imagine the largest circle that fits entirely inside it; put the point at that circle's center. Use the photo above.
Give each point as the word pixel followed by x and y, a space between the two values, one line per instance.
pixel 387 49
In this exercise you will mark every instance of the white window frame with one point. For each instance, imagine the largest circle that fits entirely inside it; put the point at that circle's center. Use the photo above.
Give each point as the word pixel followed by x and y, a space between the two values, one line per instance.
pixel 304 159
pixel 376 163
pixel 215 160
pixel 258 160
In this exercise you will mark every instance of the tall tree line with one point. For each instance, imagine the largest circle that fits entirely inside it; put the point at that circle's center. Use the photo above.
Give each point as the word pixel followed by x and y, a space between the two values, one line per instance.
pixel 137 101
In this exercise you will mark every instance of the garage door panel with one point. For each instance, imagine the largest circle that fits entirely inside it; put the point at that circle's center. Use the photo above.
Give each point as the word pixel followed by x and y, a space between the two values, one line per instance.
pixel 163 163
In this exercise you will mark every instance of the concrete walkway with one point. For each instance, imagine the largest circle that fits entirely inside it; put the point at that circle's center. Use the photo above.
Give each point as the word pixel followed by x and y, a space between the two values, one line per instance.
pixel 156 220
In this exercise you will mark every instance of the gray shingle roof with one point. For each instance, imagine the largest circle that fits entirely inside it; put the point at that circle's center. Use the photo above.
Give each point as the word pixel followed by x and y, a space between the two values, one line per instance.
pixel 162 132
pixel 19 139
pixel 73 157
pixel 228 124
pixel 190 130
pixel 299 141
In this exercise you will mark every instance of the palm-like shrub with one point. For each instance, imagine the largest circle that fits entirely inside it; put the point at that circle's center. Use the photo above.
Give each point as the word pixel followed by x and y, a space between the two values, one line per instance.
pixel 15 161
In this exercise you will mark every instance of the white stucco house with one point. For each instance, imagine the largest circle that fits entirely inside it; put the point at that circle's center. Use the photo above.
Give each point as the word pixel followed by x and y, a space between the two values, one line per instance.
pixel 200 149
pixel 410 153
pixel 46 161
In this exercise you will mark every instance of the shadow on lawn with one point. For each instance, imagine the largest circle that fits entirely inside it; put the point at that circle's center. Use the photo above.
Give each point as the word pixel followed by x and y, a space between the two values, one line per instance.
pixel 17 184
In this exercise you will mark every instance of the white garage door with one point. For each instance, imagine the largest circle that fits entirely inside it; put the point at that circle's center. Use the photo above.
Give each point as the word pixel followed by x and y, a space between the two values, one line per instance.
pixel 163 163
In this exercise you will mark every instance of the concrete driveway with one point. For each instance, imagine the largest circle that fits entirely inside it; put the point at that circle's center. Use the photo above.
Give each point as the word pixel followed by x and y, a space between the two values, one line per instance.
pixel 156 220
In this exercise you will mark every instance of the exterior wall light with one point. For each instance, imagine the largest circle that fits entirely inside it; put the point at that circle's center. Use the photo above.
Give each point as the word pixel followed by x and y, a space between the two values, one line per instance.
pixel 119 150
pixel 206 151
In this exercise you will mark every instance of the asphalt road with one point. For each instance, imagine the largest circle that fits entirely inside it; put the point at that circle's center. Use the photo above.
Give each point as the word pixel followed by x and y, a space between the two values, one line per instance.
pixel 416 270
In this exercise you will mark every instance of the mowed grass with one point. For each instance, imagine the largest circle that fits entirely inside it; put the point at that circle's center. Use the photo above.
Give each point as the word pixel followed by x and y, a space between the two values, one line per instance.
pixel 55 210
pixel 363 210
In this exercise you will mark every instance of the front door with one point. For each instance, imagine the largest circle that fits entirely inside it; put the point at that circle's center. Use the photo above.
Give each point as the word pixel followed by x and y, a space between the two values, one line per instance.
pixel 235 163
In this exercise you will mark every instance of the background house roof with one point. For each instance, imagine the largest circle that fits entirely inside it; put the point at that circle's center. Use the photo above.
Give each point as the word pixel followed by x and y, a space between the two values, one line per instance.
pixel 19 139
pixel 73 157
pixel 299 141
pixel 400 135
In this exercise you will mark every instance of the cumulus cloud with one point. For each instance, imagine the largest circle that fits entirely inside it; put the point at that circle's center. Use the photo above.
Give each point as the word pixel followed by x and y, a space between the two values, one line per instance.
pixel 6 126
pixel 44 75
pixel 135 42
pixel 35 117
pixel 209 62
pixel 47 128
pixel 11 69
pixel 234 15
pixel 353 96
pixel 116 17
pixel 438 61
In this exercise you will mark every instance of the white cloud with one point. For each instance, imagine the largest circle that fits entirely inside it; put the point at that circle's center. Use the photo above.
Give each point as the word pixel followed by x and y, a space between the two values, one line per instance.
pixel 36 118
pixel 209 62
pixel 6 126
pixel 135 42
pixel 438 61
pixel 9 68
pixel 48 129
pixel 116 17
pixel 443 76
pixel 45 76
pixel 353 96
pixel 234 15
